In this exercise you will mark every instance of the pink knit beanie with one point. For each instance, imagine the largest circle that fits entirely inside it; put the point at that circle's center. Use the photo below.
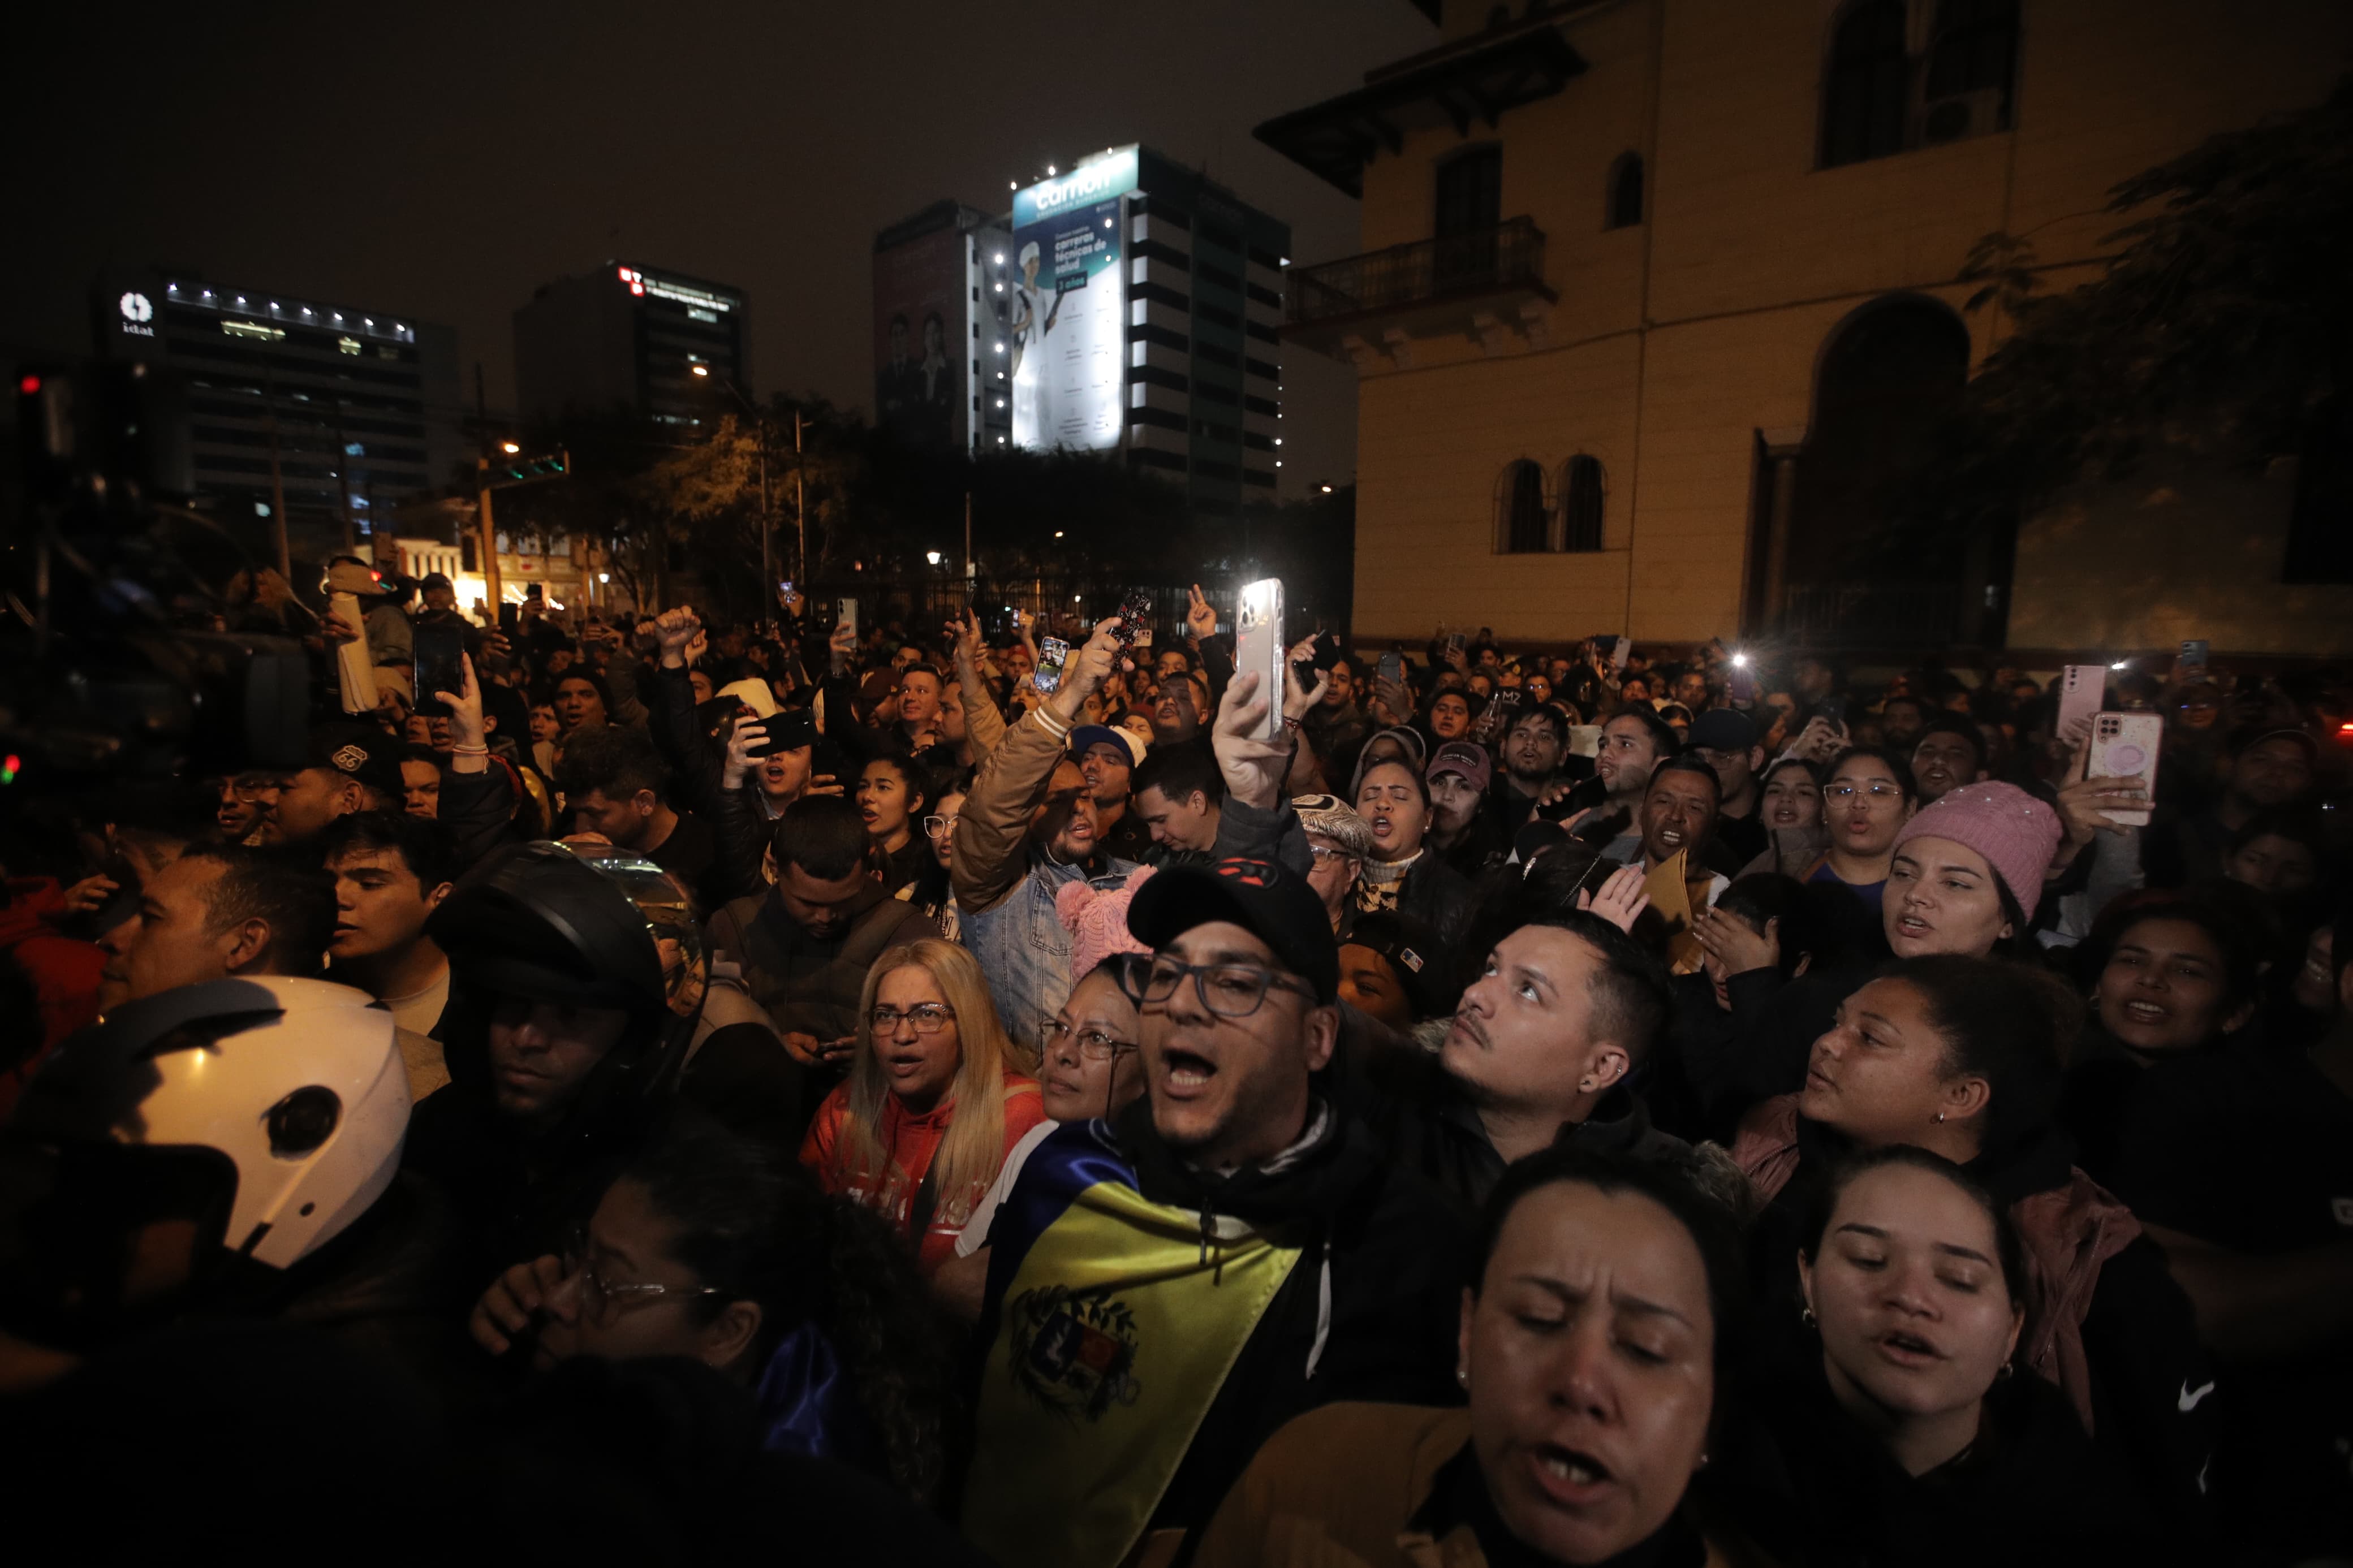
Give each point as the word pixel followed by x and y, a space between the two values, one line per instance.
pixel 1097 920
pixel 2016 833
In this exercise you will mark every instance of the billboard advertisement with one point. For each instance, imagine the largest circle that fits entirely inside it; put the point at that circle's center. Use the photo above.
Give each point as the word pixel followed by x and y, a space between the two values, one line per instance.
pixel 1067 329
pixel 919 311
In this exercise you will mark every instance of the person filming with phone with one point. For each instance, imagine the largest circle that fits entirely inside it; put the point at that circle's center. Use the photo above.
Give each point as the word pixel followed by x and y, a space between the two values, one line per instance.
pixel 1027 827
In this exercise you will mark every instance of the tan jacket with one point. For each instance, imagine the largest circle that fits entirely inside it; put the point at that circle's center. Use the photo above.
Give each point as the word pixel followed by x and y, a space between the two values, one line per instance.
pixel 1339 1487
pixel 991 855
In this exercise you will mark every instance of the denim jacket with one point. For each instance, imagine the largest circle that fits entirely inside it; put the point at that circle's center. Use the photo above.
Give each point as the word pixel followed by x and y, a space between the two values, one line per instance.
pixel 1005 884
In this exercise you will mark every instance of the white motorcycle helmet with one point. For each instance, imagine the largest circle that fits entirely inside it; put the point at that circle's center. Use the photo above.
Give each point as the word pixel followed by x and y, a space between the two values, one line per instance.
pixel 297 1083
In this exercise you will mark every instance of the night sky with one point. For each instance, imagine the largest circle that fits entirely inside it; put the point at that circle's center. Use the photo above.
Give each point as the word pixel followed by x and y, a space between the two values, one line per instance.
pixel 441 159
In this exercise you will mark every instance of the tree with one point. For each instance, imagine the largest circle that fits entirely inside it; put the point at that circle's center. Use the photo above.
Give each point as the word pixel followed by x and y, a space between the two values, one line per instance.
pixel 2220 331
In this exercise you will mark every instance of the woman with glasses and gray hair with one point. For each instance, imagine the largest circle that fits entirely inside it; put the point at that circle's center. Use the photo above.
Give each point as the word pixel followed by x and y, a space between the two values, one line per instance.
pixel 1091 1071
pixel 935 1101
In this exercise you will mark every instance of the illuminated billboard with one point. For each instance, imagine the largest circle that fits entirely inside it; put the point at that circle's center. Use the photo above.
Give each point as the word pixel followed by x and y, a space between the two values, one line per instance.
pixel 920 339
pixel 1066 337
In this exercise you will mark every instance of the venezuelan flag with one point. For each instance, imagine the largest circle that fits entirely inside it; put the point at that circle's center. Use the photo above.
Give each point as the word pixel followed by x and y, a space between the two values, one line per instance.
pixel 1117 1322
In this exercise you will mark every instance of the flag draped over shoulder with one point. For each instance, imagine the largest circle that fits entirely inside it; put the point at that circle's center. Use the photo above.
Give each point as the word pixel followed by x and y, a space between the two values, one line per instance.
pixel 1117 1322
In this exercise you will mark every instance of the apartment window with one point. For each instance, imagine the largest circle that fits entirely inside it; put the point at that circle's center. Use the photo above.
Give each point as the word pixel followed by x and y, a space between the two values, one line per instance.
pixel 1879 98
pixel 1470 192
pixel 1972 60
pixel 1522 517
pixel 1625 192
pixel 1469 208
pixel 1868 92
pixel 1581 499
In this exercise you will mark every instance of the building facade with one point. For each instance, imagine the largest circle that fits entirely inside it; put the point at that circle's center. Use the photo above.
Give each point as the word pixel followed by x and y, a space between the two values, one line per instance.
pixel 656 342
pixel 1653 290
pixel 1145 315
pixel 345 412
pixel 939 303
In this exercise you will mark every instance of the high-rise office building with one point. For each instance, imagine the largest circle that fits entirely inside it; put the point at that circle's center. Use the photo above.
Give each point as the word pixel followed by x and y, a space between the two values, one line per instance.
pixel 633 337
pixel 935 315
pixel 1145 301
pixel 356 408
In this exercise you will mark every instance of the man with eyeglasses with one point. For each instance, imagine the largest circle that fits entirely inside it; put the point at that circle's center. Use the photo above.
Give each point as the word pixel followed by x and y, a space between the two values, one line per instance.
pixel 1166 1289
pixel 245 800
pixel 1339 842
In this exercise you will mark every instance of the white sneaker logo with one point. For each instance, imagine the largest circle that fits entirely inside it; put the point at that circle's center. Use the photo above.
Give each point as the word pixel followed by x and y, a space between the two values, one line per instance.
pixel 2190 1397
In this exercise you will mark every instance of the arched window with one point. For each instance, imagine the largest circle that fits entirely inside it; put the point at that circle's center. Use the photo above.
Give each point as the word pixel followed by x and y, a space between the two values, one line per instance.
pixel 1581 495
pixel 1972 60
pixel 1523 520
pixel 1867 93
pixel 1625 192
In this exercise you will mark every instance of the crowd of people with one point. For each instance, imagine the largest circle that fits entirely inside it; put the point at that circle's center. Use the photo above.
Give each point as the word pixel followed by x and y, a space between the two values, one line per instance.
pixel 878 1093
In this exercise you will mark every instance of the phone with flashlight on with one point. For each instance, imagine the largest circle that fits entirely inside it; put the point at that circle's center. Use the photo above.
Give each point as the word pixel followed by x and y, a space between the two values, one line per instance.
pixel 1741 687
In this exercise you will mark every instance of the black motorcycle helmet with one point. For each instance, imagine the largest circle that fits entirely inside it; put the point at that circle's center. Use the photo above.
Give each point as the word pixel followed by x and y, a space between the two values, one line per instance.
pixel 586 924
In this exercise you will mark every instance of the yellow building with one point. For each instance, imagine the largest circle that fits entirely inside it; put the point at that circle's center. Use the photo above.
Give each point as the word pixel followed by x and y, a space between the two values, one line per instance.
pixel 1648 286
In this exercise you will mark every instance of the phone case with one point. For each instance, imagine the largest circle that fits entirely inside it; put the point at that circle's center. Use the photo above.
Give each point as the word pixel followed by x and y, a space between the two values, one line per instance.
pixel 2081 688
pixel 1051 654
pixel 1257 647
pixel 2125 746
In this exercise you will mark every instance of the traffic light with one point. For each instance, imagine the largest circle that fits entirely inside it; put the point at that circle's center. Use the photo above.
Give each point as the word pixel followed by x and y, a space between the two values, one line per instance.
pixel 514 465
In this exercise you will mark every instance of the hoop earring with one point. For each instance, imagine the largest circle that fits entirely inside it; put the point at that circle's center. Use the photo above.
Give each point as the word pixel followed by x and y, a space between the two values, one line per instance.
pixel 1806 1316
pixel 1940 1117
pixel 2004 1373
pixel 1463 1376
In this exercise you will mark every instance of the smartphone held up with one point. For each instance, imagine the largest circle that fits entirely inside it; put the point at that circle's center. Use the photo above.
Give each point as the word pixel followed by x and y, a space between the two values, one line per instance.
pixel 1259 648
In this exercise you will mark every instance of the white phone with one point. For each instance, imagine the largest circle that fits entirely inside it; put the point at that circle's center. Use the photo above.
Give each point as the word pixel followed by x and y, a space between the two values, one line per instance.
pixel 850 615
pixel 2125 746
pixel 1259 648
pixel 2080 687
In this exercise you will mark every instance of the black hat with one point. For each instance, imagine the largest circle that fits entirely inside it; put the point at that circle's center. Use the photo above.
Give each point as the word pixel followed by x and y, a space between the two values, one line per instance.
pixel 437 580
pixel 1415 953
pixel 359 752
pixel 1270 902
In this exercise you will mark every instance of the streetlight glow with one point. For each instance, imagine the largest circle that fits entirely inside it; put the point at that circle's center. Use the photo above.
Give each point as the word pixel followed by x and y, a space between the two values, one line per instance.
pixel 509 448
pixel 698 370
pixel 932 556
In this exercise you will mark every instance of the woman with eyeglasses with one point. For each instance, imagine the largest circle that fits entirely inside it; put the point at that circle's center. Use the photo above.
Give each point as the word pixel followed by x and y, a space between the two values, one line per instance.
pixel 1091 1072
pixel 933 892
pixel 1868 797
pixel 932 1103
pixel 709 1246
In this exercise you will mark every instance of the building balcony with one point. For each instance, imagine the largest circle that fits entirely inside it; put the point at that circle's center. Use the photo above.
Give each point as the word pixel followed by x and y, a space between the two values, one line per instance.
pixel 1487 285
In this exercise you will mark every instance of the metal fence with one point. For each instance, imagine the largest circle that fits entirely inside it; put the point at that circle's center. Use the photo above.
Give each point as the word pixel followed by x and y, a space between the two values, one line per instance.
pixel 1868 614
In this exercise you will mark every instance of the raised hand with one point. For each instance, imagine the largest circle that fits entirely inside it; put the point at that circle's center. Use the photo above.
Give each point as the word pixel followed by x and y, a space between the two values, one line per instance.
pixel 673 630
pixel 1200 616
pixel 1621 900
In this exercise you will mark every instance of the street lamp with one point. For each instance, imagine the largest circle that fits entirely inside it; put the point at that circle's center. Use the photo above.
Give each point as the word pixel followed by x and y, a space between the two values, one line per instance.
pixel 698 370
pixel 932 556
pixel 509 447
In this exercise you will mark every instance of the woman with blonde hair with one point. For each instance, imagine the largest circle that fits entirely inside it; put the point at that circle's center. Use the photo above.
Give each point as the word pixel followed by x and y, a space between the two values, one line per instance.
pixel 933 1102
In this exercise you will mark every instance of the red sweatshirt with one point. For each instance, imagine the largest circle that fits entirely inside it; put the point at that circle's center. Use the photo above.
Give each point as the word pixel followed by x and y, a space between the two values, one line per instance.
pixel 911 1141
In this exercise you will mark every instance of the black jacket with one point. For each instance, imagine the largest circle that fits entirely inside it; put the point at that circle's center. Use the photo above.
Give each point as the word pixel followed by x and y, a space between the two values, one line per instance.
pixel 2140 1340
pixel 1796 1476
pixel 1421 1118
pixel 1393 1256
